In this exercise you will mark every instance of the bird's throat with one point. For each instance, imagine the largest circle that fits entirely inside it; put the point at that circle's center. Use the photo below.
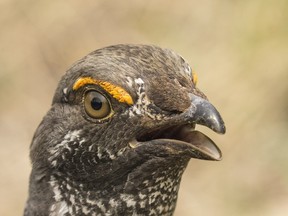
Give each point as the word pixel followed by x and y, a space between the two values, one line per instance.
pixel 150 188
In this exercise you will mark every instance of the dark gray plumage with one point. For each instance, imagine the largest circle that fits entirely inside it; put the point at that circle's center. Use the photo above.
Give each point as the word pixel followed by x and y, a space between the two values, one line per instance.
pixel 119 135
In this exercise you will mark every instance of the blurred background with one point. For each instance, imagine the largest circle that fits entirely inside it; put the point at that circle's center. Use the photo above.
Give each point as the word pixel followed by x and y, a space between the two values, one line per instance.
pixel 239 49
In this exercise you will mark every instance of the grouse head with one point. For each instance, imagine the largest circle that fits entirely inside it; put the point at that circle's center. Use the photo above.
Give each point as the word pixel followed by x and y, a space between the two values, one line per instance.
pixel 119 134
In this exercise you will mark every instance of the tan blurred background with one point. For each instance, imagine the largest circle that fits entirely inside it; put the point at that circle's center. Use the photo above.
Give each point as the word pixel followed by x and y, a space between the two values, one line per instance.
pixel 239 49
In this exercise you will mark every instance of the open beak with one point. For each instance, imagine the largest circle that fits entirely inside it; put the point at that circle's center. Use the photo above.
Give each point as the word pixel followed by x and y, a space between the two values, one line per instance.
pixel 182 137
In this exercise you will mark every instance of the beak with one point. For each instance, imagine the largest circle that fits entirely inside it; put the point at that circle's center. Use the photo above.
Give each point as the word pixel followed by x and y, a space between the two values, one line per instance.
pixel 204 113
pixel 182 138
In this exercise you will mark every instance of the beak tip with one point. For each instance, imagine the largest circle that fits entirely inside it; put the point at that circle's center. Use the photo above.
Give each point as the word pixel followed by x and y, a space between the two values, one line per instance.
pixel 217 124
pixel 206 114
pixel 221 129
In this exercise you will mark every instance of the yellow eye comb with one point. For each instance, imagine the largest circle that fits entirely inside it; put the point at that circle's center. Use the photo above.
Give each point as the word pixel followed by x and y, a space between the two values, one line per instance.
pixel 115 91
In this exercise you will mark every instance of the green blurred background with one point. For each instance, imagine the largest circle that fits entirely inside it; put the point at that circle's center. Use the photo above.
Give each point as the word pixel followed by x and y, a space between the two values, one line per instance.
pixel 239 49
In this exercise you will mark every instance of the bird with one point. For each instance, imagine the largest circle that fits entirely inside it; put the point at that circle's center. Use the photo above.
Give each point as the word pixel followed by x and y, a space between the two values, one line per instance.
pixel 119 134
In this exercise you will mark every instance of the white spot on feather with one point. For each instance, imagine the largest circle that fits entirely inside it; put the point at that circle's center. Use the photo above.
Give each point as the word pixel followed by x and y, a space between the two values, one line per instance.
pixel 129 82
pixel 142 105
pixel 65 91
pixel 59 209
pixel 129 199
pixel 113 203
pixel 72 137
pixel 56 190
pixel 139 81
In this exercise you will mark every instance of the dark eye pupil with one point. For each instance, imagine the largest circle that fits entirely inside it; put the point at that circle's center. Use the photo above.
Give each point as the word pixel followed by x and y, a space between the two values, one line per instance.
pixel 96 103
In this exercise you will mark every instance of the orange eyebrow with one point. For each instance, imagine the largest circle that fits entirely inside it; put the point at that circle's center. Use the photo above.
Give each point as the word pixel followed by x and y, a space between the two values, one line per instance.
pixel 117 92
pixel 194 77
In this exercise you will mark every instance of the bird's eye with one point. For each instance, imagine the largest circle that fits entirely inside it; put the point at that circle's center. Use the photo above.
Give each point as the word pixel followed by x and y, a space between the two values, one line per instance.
pixel 96 105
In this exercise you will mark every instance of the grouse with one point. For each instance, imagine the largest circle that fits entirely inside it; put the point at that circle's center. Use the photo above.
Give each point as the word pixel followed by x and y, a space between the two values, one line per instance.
pixel 119 134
